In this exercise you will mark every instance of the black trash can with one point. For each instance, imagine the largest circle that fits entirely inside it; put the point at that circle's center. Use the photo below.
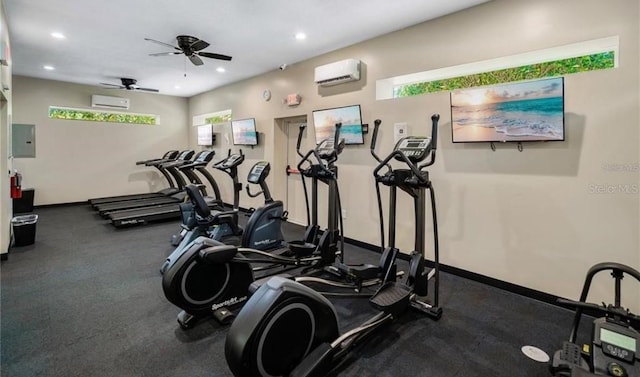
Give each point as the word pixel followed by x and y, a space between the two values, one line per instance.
pixel 24 230
pixel 25 203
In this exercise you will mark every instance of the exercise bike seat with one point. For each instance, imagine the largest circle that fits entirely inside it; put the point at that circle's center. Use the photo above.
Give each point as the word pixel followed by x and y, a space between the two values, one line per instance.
pixel 218 254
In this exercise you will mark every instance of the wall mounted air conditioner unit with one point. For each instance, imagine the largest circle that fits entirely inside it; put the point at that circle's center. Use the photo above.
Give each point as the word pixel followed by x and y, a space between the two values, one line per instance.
pixel 338 72
pixel 109 102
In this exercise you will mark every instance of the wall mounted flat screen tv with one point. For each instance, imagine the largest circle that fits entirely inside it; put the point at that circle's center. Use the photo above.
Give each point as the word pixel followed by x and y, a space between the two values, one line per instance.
pixel 324 122
pixel 520 111
pixel 205 134
pixel 244 132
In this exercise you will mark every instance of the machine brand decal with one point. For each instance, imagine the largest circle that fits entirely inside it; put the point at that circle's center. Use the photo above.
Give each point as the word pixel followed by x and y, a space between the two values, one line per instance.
pixel 263 242
pixel 134 221
pixel 230 302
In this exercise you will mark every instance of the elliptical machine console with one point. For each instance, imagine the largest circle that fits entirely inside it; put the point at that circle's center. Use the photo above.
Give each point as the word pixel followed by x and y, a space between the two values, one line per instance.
pixel 415 148
pixel 329 149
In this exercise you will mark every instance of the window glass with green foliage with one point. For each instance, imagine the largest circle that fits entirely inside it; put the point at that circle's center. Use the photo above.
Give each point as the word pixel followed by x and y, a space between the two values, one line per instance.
pixel 101 116
pixel 604 60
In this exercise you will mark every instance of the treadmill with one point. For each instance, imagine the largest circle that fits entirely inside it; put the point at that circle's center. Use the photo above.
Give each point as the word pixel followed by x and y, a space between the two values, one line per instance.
pixel 172 210
pixel 169 156
pixel 200 164
pixel 177 196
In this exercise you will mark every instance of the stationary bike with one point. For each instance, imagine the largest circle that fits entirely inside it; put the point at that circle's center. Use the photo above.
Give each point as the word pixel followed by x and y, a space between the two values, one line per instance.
pixel 288 329
pixel 615 338
pixel 264 227
pixel 211 279
pixel 216 224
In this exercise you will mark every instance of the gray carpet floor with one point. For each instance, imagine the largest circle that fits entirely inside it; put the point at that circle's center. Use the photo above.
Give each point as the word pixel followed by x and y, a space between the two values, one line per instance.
pixel 86 300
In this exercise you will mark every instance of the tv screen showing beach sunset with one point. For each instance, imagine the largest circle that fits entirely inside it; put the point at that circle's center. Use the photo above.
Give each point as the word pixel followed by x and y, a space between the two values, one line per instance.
pixel 526 111
pixel 244 132
pixel 325 121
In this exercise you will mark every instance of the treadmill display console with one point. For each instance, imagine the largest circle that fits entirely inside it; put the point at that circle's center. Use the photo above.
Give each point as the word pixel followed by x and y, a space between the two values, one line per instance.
pixel 205 156
pixel 185 155
pixel 416 148
pixel 259 172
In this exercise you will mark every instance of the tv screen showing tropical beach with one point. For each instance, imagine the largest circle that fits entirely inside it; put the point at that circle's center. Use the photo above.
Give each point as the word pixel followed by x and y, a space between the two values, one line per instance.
pixel 325 121
pixel 244 132
pixel 523 111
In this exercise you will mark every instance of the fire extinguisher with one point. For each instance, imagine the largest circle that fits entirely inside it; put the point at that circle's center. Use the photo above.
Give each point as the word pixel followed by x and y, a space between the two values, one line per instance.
pixel 16 186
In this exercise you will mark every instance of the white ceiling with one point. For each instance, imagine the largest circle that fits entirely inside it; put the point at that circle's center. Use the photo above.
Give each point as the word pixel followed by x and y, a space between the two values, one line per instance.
pixel 105 39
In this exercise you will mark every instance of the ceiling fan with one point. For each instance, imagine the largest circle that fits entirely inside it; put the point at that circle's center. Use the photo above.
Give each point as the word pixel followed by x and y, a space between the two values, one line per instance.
pixel 191 47
pixel 128 84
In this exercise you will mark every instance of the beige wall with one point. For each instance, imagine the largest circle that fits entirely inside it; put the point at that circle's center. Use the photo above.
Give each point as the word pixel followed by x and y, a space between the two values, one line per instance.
pixel 529 218
pixel 77 160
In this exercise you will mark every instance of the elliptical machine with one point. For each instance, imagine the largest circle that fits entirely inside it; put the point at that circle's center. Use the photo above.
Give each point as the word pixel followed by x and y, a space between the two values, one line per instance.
pixel 209 278
pixel 614 347
pixel 288 329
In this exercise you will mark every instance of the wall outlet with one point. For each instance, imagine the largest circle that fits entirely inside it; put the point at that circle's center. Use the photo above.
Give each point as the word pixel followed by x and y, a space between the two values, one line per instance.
pixel 344 214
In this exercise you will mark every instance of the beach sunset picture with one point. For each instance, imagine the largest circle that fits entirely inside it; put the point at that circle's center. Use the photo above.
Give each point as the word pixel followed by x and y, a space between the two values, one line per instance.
pixel 526 111
pixel 325 121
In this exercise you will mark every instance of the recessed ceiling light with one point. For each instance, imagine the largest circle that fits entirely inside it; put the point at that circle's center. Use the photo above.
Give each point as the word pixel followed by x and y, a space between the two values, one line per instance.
pixel 57 35
pixel 220 69
pixel 301 36
pixel 177 87
pixel 48 67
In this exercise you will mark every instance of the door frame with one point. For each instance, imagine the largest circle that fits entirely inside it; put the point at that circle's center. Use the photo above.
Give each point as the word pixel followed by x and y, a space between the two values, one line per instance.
pixel 280 155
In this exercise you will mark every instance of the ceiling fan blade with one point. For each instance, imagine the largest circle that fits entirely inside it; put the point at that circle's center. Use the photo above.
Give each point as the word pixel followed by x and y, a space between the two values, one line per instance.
pixel 214 56
pixel 199 45
pixel 195 60
pixel 114 86
pixel 161 43
pixel 148 90
pixel 166 53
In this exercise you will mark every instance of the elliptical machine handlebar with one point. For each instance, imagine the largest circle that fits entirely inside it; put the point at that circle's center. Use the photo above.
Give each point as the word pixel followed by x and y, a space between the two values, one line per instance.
pixel 399 155
pixel 333 155
pixel 336 135
pixel 434 141
pixel 302 127
pixel 330 157
pixel 374 138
